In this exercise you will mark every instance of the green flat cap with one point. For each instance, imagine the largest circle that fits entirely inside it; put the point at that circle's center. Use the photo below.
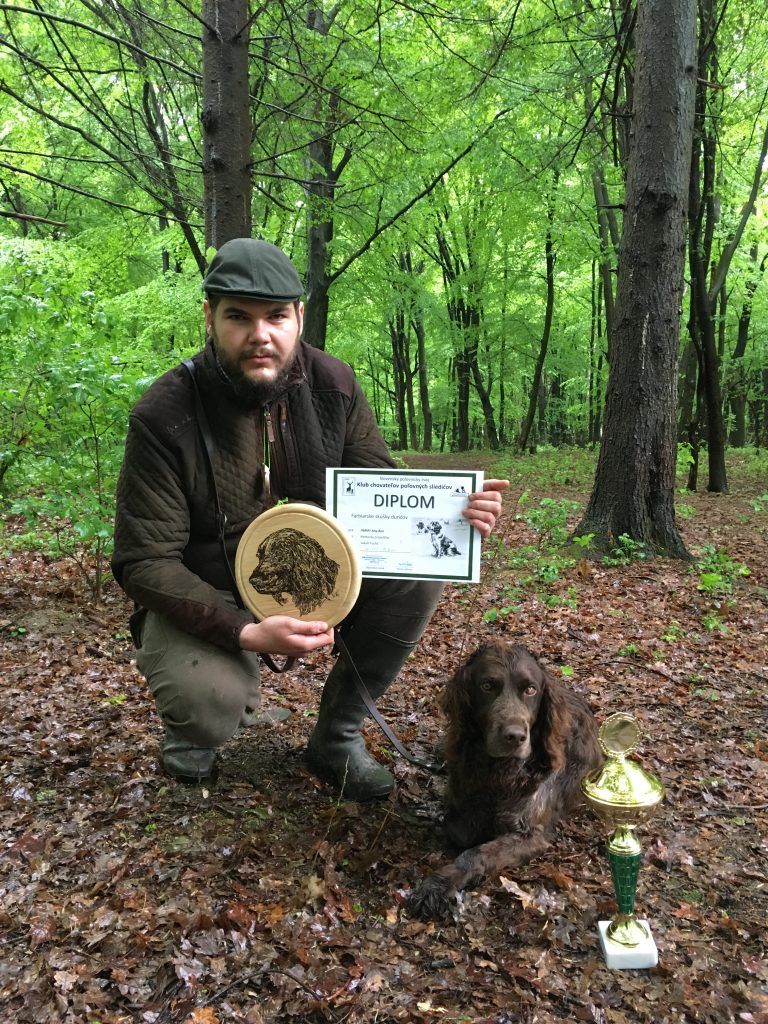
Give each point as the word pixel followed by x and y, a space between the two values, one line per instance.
pixel 254 269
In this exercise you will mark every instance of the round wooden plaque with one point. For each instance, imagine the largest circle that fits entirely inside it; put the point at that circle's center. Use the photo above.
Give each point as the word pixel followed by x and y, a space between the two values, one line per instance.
pixel 297 560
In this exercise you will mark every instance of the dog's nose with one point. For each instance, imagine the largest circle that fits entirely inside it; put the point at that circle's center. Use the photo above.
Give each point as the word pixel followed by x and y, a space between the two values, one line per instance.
pixel 516 733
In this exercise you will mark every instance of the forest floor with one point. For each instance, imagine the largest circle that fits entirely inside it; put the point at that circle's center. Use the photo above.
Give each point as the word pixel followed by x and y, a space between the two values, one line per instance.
pixel 127 897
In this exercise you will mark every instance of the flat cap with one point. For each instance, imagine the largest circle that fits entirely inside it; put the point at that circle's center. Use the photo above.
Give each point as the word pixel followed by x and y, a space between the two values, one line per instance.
pixel 254 269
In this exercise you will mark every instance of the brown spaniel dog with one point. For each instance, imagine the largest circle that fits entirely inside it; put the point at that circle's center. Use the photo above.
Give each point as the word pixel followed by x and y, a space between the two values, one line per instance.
pixel 517 747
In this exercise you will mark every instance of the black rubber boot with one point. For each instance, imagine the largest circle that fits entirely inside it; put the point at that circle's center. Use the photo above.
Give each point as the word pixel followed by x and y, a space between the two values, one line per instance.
pixel 383 629
pixel 336 750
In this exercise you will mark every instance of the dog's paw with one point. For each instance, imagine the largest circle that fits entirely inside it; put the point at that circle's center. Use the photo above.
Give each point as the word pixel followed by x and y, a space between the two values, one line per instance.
pixel 432 899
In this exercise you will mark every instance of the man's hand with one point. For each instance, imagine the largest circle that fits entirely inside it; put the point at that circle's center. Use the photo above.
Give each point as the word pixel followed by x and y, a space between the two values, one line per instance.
pixel 280 634
pixel 484 507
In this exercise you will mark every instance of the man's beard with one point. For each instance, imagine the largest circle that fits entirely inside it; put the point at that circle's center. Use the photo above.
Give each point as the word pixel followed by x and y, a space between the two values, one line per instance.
pixel 253 393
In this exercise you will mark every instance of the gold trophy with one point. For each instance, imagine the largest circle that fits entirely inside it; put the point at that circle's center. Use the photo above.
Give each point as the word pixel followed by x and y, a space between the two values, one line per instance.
pixel 623 796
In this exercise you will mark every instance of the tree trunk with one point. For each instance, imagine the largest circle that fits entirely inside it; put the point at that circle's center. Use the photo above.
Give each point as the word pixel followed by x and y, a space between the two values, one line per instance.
pixel 549 255
pixel 595 360
pixel 762 431
pixel 557 420
pixel 462 369
pixel 400 361
pixel 607 229
pixel 738 387
pixel 426 408
pixel 707 281
pixel 323 178
pixel 226 121
pixel 486 405
pixel 634 485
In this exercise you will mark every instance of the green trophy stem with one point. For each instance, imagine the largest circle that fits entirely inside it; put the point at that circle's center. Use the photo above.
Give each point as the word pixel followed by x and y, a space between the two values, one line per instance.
pixel 624 855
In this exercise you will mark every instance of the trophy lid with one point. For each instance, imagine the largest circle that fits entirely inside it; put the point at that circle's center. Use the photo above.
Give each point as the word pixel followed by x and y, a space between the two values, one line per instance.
pixel 297 560
pixel 621 788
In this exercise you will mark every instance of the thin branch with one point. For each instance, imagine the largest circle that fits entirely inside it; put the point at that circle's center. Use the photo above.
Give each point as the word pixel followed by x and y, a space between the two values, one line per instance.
pixel 193 14
pixel 92 195
pixel 29 216
pixel 412 202
pixel 103 35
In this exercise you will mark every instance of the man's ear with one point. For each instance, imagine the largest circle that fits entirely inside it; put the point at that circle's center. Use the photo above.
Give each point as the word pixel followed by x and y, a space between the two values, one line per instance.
pixel 300 318
pixel 208 316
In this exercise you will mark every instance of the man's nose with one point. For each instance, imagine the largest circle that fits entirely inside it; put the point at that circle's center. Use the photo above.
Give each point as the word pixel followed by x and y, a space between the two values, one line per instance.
pixel 259 329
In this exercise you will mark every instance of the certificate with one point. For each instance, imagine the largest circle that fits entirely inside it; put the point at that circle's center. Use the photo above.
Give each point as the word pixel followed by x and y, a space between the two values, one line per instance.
pixel 408 523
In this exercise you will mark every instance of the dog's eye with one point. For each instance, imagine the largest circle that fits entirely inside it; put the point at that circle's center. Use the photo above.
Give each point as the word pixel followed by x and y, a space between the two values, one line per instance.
pixel 530 691
pixel 487 686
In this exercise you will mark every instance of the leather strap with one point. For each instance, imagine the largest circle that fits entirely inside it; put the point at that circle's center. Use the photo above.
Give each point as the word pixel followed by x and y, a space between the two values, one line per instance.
pixel 369 702
pixel 221 518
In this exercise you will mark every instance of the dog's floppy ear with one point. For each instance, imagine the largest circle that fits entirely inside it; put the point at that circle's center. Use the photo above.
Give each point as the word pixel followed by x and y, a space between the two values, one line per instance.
pixel 457 698
pixel 554 720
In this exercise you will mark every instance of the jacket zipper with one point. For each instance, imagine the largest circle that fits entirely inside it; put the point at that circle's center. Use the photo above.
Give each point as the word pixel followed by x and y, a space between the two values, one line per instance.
pixel 283 460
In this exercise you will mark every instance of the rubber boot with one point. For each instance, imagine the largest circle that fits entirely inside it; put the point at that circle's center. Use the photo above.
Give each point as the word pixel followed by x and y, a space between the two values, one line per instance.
pixel 185 762
pixel 336 750
pixel 380 634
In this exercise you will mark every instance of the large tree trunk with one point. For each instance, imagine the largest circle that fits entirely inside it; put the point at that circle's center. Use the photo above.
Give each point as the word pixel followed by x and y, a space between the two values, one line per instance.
pixel 634 484
pixel 226 121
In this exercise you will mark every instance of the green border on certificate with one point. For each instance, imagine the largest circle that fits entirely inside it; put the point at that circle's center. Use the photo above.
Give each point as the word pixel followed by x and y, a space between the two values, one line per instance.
pixel 407 523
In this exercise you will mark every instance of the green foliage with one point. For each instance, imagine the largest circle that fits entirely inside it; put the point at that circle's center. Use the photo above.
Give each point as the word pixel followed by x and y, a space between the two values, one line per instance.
pixel 717 575
pixel 684 458
pixel 535 568
pixel 626 551
pixel 685 511
pixel 673 632
pixel 549 468
pixel 718 572
pixel 585 541
pixel 549 519
pixel 64 402
pixel 707 693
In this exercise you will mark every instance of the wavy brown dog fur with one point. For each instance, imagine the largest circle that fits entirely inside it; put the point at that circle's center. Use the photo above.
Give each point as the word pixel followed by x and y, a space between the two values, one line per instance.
pixel 517 747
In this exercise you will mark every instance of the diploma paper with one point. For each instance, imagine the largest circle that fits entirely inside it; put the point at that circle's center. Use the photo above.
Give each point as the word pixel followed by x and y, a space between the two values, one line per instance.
pixel 408 523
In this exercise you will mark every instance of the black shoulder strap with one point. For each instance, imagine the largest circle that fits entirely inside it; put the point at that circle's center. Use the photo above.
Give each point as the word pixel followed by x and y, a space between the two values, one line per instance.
pixel 205 433
pixel 221 518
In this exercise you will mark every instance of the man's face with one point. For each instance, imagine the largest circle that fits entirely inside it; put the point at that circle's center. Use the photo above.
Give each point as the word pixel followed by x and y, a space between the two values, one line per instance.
pixel 256 341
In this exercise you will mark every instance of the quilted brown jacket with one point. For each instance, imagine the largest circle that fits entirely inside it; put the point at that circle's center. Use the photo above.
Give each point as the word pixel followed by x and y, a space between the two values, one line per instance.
pixel 167 554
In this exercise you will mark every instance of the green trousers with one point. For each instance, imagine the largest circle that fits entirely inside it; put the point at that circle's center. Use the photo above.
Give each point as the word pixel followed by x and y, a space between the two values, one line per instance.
pixel 204 693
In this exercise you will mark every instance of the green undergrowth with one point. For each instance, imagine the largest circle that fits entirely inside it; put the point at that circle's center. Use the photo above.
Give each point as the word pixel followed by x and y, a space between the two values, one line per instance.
pixel 544 564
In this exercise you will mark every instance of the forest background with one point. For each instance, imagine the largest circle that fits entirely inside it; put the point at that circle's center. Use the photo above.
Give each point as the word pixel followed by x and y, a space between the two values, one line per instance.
pixel 452 184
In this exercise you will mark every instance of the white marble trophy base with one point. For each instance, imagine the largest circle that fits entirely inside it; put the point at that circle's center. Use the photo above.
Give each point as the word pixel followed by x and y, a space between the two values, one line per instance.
pixel 619 957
